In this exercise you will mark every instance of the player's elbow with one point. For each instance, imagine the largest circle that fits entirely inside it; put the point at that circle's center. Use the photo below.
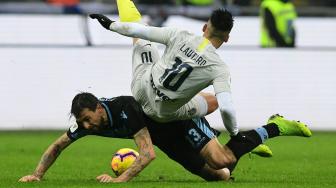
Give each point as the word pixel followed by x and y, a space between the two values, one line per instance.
pixel 152 156
pixel 225 104
pixel 149 156
pixel 227 113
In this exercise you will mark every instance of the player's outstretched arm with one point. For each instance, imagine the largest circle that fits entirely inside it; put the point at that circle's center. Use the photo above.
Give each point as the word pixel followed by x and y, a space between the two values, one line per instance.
pixel 146 155
pixel 227 112
pixel 135 30
pixel 48 158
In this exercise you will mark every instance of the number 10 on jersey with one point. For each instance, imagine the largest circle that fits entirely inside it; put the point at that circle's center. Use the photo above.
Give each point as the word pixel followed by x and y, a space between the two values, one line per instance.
pixel 173 78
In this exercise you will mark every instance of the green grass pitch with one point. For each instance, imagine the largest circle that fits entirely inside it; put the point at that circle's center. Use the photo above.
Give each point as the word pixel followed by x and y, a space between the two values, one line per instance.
pixel 297 162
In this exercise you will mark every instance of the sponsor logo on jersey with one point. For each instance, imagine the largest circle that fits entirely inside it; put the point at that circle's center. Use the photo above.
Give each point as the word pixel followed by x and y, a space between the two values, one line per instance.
pixel 161 95
pixel 74 127
pixel 106 99
pixel 123 115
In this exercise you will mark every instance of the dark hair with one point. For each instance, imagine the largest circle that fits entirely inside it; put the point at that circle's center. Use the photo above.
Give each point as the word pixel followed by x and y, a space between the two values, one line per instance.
pixel 81 101
pixel 222 20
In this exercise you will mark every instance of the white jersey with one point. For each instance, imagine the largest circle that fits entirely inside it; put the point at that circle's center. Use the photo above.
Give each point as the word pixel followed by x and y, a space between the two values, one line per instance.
pixel 188 65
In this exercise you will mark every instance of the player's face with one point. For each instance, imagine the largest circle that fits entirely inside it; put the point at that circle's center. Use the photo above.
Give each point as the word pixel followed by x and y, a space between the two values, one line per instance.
pixel 92 120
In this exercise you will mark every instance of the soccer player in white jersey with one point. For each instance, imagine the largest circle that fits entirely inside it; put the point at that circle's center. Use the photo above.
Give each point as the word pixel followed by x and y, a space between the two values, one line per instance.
pixel 167 87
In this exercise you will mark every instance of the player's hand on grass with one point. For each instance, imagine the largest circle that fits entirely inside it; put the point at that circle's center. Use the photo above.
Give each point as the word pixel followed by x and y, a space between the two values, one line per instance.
pixel 103 20
pixel 105 178
pixel 29 178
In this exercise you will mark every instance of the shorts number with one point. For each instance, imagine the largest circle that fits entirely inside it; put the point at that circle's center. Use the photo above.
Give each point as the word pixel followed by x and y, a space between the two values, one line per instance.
pixel 146 57
pixel 195 135
pixel 179 69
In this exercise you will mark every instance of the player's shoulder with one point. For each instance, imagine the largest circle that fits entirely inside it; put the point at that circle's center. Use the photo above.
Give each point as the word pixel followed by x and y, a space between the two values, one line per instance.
pixel 123 102
pixel 179 33
pixel 127 99
pixel 214 58
pixel 119 103
pixel 118 99
pixel 217 66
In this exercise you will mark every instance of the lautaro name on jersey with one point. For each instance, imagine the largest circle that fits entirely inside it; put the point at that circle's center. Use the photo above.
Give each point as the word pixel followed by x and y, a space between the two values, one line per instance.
pixel 190 53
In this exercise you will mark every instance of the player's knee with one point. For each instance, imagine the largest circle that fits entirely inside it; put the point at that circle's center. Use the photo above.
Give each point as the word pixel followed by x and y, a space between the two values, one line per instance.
pixel 224 175
pixel 210 174
pixel 219 175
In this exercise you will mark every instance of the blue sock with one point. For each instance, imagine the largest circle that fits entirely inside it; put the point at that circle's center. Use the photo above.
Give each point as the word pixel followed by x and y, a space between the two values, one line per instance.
pixel 262 132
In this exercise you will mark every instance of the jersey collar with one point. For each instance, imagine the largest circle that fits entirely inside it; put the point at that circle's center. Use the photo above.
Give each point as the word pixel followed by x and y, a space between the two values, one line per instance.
pixel 108 113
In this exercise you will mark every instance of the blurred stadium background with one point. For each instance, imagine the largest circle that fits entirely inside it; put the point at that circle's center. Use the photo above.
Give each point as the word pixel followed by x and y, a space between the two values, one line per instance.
pixel 238 7
pixel 49 54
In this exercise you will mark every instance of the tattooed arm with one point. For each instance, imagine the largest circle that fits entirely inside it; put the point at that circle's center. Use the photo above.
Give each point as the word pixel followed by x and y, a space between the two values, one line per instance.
pixel 146 155
pixel 48 158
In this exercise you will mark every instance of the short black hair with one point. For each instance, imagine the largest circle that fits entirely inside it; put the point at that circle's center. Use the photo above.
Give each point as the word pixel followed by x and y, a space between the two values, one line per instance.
pixel 81 101
pixel 222 20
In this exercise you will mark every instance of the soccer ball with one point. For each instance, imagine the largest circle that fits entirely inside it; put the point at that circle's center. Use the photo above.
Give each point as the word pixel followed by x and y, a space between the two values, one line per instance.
pixel 122 160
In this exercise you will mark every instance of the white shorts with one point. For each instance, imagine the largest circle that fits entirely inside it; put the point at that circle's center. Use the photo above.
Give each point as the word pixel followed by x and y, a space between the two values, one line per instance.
pixel 145 54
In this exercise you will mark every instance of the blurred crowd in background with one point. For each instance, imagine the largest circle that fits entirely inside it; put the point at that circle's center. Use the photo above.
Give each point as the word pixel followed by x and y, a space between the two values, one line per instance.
pixel 192 2
pixel 277 16
pixel 237 7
